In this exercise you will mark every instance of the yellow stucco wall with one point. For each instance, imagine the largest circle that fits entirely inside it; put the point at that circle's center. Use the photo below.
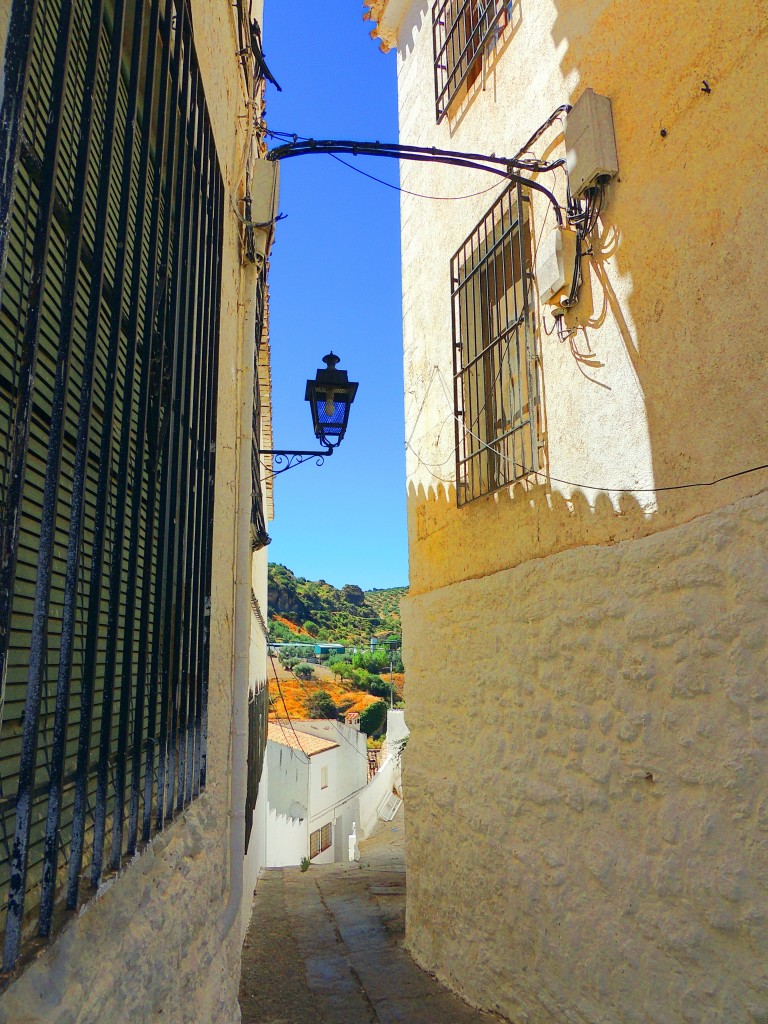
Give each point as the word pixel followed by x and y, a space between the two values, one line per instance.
pixel 587 665
pixel 669 313
pixel 155 944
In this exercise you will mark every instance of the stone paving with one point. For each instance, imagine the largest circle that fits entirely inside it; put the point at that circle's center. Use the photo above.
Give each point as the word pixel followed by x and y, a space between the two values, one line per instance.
pixel 325 946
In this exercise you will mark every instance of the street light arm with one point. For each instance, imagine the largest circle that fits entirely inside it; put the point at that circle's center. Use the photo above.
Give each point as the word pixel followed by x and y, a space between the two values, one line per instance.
pixel 502 166
pixel 286 460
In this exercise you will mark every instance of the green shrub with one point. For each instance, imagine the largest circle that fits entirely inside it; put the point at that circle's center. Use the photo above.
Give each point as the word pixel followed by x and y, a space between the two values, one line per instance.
pixel 373 718
pixel 379 688
pixel 320 705
pixel 303 670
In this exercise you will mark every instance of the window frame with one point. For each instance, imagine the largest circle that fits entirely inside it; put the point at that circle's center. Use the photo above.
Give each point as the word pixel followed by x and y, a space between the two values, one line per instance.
pixel 320 840
pixel 497 437
pixel 461 30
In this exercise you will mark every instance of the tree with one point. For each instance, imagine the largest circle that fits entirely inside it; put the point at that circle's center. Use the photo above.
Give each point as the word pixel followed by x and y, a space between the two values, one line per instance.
pixel 311 627
pixel 320 705
pixel 374 716
pixel 379 688
pixel 303 670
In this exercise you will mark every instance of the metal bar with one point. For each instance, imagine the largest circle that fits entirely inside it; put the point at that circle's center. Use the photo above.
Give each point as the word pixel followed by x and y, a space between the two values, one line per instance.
pixel 185 495
pixel 83 435
pixel 121 483
pixel 15 76
pixel 152 372
pixel 144 384
pixel 177 452
pixel 197 399
pixel 153 586
pixel 12 520
pixel 58 410
pixel 203 347
pixel 213 441
pixel 166 535
pixel 210 341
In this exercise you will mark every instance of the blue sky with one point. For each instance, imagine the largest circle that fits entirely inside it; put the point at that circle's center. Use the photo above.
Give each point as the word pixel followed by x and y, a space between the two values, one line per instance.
pixel 335 284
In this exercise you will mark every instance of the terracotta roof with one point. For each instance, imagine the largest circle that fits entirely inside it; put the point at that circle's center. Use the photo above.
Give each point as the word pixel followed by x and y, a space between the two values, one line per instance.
pixel 281 732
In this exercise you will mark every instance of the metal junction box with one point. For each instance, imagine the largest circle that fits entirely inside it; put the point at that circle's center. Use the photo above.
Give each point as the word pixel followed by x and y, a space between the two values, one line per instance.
pixel 555 261
pixel 590 143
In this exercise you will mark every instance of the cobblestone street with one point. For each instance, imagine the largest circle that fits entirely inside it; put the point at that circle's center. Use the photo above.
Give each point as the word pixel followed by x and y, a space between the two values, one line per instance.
pixel 326 946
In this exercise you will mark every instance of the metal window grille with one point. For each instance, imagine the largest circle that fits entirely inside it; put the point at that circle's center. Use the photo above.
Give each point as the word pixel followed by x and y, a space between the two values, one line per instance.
pixel 320 840
pixel 259 535
pixel 110 269
pixel 258 713
pixel 495 381
pixel 326 836
pixel 460 31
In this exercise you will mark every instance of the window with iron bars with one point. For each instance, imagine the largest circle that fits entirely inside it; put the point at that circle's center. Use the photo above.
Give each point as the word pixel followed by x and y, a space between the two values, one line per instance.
pixel 110 271
pixel 494 357
pixel 461 30
pixel 258 713
pixel 259 535
pixel 320 840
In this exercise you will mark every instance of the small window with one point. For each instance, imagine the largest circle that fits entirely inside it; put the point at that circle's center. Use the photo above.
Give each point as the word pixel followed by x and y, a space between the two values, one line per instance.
pixel 495 384
pixel 326 836
pixel 460 31
pixel 320 840
pixel 324 777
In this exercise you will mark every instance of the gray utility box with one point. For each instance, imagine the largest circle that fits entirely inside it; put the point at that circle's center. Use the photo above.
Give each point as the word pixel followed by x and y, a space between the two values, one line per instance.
pixel 590 143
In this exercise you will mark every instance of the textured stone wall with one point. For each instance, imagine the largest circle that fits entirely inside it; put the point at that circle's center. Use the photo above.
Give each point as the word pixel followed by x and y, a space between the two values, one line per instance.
pixel 151 947
pixel 585 780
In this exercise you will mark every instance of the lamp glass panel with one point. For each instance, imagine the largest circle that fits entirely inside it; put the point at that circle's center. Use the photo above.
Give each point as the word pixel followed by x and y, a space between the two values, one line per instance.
pixel 333 424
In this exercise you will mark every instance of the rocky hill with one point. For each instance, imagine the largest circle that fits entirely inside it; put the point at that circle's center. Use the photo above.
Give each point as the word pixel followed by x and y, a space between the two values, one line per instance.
pixel 318 609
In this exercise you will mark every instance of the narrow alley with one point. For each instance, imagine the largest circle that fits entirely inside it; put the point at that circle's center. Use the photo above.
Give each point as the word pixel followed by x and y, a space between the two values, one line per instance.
pixel 325 946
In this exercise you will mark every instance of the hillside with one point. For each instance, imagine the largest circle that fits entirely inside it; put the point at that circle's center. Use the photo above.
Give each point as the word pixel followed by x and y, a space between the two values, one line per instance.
pixel 315 608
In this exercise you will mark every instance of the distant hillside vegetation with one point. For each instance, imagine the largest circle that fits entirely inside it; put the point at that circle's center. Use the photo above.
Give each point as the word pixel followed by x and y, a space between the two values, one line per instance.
pixel 317 609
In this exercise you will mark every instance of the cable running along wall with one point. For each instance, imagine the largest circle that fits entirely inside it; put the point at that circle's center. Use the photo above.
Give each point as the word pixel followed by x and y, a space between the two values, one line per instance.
pixel 110 281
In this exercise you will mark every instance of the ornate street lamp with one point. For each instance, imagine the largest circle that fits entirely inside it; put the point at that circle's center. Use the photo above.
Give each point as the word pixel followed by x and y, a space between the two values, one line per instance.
pixel 330 396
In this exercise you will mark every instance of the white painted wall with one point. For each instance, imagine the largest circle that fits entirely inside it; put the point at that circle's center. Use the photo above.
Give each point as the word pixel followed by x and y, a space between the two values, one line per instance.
pixel 295 792
pixel 380 785
pixel 288 840
pixel 256 855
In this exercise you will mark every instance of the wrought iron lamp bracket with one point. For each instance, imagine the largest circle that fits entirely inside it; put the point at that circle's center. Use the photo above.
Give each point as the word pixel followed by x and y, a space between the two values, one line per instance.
pixel 286 460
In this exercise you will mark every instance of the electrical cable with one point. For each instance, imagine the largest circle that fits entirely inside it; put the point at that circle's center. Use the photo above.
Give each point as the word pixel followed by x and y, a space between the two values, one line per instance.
pixel 335 723
pixel 285 705
pixel 408 192
pixel 571 483
pixel 500 166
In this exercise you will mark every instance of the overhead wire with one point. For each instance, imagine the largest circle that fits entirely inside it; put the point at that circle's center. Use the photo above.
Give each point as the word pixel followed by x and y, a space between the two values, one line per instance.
pixel 502 166
pixel 408 192
pixel 548 477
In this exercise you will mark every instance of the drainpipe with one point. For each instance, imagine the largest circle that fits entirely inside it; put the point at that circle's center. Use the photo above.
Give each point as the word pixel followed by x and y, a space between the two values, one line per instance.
pixel 242 632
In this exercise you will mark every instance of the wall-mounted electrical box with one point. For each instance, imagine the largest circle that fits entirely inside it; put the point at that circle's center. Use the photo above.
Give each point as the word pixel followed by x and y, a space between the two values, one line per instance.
pixel 590 143
pixel 265 192
pixel 555 264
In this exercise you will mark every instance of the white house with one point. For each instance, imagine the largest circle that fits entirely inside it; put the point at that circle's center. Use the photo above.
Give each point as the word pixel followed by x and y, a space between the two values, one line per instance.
pixel 315 773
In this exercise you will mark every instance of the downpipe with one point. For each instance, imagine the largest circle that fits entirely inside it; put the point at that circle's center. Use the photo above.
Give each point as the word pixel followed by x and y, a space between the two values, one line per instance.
pixel 242 631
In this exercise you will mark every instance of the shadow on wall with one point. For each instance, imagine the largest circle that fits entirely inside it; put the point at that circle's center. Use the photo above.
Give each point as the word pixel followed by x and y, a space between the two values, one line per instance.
pixel 671 288
pixel 678 231
pixel 527 522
